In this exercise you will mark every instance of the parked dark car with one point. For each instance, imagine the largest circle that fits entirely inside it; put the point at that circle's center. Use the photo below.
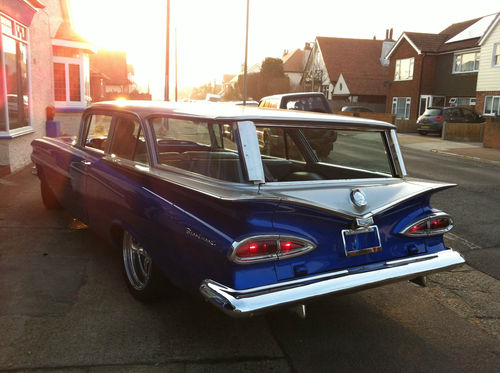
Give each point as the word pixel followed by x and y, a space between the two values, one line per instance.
pixel 432 119
pixel 356 109
pixel 248 223
pixel 321 140
pixel 304 101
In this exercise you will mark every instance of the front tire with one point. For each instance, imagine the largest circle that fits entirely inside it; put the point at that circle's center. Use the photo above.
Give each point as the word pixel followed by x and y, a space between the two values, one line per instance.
pixel 141 275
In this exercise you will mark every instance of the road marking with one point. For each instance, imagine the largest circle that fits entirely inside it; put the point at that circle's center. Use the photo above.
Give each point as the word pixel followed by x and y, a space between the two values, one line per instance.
pixel 462 241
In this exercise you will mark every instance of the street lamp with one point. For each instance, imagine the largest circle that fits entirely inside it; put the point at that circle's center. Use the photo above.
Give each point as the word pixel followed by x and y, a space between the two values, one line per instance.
pixel 246 59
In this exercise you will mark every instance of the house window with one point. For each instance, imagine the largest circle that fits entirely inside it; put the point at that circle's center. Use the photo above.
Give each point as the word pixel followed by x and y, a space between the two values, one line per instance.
pixel 404 69
pixel 14 79
pixel 68 68
pixel 496 55
pixel 492 105
pixel 401 107
pixel 466 62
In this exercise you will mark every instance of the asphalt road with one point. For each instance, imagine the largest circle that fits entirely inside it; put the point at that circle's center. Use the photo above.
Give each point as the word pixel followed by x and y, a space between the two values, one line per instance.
pixel 474 203
pixel 64 307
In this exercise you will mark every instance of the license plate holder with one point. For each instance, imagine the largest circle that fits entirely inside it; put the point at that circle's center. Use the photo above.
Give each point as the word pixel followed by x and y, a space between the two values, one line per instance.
pixel 425 126
pixel 361 241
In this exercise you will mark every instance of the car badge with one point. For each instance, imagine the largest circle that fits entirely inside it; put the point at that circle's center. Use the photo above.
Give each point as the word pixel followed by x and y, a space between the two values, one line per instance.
pixel 358 198
pixel 364 222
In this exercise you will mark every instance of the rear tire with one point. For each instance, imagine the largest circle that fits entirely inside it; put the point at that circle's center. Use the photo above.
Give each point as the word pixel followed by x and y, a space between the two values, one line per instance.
pixel 141 275
pixel 49 199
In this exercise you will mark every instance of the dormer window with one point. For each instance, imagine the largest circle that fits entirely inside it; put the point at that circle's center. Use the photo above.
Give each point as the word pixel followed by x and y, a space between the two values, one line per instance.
pixel 404 69
pixel 466 62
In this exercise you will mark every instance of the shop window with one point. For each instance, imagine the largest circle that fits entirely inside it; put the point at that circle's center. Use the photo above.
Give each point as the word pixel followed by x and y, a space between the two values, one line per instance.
pixel 14 79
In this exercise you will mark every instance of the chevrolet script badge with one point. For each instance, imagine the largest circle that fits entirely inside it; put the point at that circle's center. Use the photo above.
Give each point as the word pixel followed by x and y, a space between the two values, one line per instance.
pixel 358 198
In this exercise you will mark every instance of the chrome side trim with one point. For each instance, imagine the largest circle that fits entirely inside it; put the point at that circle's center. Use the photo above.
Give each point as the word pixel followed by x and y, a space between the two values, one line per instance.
pixel 248 301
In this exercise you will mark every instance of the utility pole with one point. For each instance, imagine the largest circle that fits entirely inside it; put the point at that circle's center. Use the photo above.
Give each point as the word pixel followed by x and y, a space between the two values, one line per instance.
pixel 167 55
pixel 176 95
pixel 246 60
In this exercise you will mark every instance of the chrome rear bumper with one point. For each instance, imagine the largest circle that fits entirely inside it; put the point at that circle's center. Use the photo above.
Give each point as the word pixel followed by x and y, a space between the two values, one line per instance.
pixel 249 301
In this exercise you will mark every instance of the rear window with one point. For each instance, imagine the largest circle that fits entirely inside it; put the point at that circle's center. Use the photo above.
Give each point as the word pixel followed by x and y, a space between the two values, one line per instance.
pixel 298 154
pixel 315 103
pixel 433 112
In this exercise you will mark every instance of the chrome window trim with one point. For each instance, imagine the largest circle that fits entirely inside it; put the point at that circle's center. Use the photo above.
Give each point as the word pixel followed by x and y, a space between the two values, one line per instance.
pixel 249 147
pixel 399 155
pixel 308 246
pixel 428 232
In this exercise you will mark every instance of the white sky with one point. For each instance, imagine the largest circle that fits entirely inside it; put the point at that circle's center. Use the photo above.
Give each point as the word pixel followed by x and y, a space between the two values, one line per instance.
pixel 211 34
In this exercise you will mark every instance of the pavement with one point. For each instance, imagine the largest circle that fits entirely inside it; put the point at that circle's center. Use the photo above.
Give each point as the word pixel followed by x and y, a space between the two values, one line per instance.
pixel 469 150
pixel 64 307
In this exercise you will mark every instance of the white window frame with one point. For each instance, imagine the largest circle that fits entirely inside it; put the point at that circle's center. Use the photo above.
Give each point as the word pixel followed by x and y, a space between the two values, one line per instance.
pixel 460 55
pixel 10 133
pixel 407 106
pixel 493 99
pixel 397 69
pixel 496 55
pixel 71 61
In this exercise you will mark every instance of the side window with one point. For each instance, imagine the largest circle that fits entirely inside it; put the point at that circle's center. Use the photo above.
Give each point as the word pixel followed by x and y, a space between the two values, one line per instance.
pixel 277 142
pixel 97 132
pixel 203 148
pixel 128 141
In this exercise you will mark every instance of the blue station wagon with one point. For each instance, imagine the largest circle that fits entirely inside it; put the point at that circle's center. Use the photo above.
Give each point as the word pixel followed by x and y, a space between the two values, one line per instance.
pixel 234 204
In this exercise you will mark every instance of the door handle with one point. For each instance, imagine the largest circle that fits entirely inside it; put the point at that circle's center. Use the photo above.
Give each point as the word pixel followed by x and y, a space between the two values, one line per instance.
pixel 86 163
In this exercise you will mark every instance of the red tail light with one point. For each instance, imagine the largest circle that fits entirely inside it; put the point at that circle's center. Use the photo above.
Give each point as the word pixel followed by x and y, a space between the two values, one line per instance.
pixel 267 248
pixel 432 225
pixel 438 119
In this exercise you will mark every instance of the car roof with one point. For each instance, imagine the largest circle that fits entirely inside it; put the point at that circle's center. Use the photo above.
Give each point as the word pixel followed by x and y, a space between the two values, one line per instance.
pixel 288 95
pixel 230 112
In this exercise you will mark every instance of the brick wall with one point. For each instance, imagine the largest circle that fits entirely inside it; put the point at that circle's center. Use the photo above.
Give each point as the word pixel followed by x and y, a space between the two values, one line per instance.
pixel 491 137
pixel 407 88
pixel 480 95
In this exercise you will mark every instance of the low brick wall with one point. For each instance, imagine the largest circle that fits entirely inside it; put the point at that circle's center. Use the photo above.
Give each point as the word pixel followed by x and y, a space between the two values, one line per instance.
pixel 406 126
pixel 491 136
pixel 384 117
pixel 472 132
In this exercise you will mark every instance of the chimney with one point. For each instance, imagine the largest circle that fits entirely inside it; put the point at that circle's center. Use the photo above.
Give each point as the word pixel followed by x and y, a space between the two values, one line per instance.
pixel 386 47
pixel 374 37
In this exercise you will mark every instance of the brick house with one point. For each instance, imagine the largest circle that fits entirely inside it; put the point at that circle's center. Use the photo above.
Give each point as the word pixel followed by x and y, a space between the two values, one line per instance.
pixel 488 76
pixel 43 62
pixel 435 69
pixel 349 71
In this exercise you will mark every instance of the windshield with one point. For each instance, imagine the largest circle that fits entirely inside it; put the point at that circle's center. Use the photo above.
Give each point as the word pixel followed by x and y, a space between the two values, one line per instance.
pixel 430 112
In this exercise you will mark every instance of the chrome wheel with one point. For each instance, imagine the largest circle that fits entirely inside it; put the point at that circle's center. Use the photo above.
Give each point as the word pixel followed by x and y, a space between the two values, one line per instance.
pixel 137 263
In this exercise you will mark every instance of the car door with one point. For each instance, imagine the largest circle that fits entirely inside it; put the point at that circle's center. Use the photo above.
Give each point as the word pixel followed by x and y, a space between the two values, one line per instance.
pixel 114 180
pixel 90 148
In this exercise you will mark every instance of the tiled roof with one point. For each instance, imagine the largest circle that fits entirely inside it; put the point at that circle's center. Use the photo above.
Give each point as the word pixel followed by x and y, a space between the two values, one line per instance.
pixel 294 61
pixel 437 43
pixel 358 60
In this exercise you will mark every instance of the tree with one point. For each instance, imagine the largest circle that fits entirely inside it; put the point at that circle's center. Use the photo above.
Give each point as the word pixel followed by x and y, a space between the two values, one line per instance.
pixel 272 78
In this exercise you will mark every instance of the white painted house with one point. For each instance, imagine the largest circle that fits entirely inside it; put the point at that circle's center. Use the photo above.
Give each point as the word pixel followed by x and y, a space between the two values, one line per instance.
pixel 488 77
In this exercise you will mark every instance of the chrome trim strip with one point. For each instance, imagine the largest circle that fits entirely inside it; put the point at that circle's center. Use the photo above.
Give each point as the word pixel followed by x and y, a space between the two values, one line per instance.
pixel 249 301
pixel 251 152
pixel 398 152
